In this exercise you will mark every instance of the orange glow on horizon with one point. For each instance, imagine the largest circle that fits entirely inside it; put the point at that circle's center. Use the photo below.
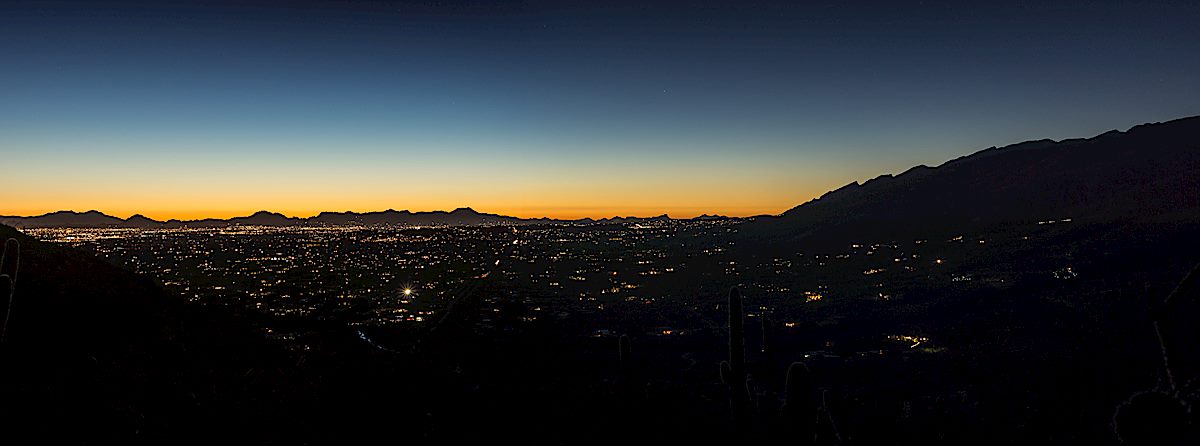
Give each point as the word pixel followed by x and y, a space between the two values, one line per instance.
pixel 690 205
pixel 519 212
pixel 194 186
pixel 555 194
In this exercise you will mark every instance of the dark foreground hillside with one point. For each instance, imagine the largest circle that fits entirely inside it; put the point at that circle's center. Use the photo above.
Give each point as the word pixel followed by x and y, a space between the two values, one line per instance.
pixel 96 354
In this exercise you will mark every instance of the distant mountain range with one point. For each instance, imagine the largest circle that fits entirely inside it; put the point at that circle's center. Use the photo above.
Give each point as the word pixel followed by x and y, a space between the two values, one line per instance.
pixel 1148 174
pixel 457 217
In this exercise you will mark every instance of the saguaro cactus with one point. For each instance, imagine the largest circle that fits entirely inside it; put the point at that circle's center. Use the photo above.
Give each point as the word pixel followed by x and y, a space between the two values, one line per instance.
pixel 733 371
pixel 10 265
pixel 1166 326
pixel 625 367
pixel 799 409
pixel 623 351
pixel 6 289
pixel 767 328
pixel 1160 416
pixel 1151 418
pixel 10 260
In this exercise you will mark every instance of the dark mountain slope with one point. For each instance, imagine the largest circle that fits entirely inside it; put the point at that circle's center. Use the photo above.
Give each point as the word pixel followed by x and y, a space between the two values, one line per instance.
pixel 1149 172
pixel 97 354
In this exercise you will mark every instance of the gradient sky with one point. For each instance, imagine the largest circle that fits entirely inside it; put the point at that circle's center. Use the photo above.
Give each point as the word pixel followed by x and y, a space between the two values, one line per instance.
pixel 561 109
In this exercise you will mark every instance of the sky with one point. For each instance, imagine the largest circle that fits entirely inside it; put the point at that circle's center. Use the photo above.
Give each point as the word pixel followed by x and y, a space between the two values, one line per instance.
pixel 560 109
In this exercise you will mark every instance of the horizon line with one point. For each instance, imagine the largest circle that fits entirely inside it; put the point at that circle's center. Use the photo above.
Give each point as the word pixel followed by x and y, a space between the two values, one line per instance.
pixel 302 216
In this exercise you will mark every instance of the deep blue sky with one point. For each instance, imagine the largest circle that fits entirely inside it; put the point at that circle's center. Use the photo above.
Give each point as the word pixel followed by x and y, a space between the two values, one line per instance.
pixel 561 109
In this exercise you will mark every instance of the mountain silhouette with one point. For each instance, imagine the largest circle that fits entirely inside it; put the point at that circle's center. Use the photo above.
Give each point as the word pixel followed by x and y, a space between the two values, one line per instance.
pixel 141 221
pixel 458 217
pixel 1149 173
pixel 67 219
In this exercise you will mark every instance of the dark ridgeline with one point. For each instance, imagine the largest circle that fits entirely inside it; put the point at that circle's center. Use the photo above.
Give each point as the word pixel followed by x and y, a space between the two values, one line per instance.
pixel 96 354
pixel 1146 174
pixel 457 217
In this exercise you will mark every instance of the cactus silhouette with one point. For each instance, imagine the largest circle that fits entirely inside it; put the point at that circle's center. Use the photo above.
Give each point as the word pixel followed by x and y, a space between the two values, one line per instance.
pixel 10 265
pixel 766 333
pixel 1151 418
pixel 6 289
pixel 831 433
pixel 799 409
pixel 623 351
pixel 1160 416
pixel 625 378
pixel 1188 287
pixel 10 260
pixel 733 371
pixel 752 424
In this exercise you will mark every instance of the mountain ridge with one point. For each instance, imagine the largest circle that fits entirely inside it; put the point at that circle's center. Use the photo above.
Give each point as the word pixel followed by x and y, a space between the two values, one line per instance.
pixel 1148 171
pixel 463 216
